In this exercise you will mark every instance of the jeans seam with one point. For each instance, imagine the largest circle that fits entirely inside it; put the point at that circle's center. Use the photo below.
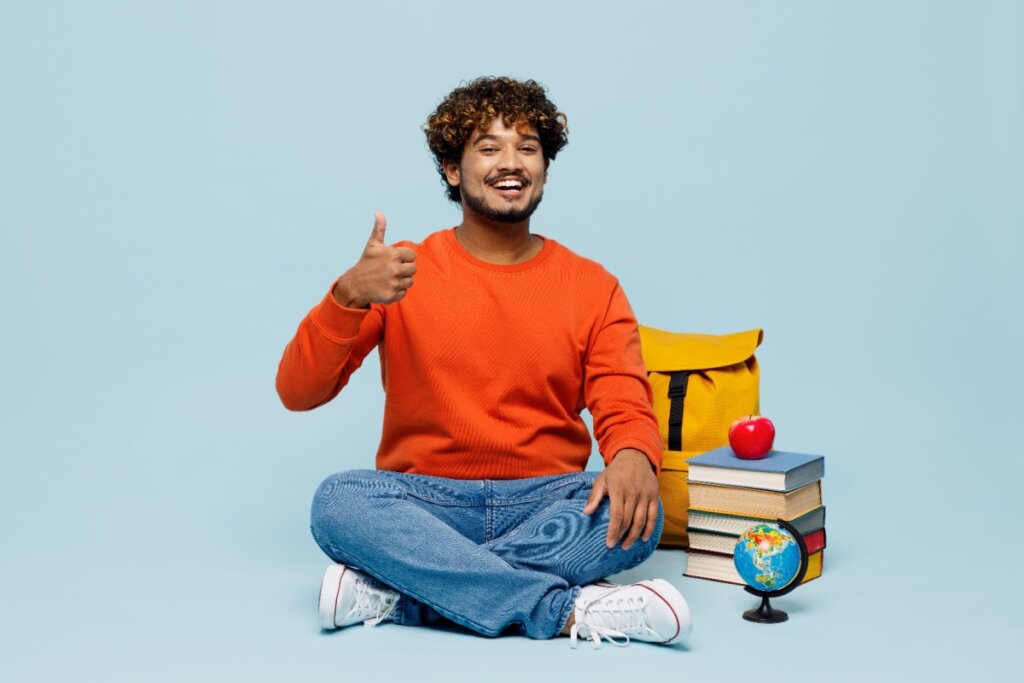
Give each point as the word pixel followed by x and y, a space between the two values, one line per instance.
pixel 574 594
pixel 488 512
pixel 546 493
pixel 443 503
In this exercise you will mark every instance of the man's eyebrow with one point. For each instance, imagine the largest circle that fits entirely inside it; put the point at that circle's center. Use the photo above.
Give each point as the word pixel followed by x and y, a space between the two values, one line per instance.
pixel 482 138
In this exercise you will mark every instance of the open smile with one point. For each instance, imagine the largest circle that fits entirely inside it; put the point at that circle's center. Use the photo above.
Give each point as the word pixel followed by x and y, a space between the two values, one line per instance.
pixel 510 187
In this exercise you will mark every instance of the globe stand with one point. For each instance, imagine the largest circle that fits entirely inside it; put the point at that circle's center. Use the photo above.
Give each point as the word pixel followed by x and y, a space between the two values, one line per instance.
pixel 765 614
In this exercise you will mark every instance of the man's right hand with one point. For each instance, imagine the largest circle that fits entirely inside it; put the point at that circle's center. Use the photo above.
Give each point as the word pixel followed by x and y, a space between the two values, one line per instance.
pixel 382 276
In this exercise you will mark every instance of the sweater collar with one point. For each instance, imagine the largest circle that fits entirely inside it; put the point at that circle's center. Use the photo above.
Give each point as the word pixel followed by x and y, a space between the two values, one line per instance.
pixel 456 246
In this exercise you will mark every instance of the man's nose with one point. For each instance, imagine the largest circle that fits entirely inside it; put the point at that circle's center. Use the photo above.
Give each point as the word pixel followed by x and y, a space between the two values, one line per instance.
pixel 510 159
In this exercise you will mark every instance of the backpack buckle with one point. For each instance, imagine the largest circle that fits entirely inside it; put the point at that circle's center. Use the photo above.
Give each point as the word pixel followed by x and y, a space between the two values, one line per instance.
pixel 677 384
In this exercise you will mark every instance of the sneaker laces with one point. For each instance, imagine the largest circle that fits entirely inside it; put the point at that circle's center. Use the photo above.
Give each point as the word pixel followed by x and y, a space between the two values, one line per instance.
pixel 373 604
pixel 614 617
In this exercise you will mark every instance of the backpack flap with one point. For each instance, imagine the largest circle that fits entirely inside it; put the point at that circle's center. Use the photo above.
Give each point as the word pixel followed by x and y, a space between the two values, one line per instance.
pixel 671 351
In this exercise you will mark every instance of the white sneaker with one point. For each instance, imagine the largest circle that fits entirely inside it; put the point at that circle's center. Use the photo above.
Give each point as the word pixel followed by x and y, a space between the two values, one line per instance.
pixel 348 597
pixel 652 611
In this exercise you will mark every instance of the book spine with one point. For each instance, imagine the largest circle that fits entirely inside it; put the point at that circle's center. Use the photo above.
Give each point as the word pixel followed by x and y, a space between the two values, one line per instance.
pixel 815 541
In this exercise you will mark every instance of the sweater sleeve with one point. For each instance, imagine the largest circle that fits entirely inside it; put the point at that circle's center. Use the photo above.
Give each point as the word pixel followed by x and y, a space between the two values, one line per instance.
pixel 616 389
pixel 328 347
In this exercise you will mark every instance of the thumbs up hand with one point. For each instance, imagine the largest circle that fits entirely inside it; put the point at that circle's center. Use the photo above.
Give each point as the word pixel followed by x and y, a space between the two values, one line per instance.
pixel 382 275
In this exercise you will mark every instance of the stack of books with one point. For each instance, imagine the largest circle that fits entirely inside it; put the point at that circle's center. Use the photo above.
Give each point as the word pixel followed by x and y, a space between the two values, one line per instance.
pixel 728 495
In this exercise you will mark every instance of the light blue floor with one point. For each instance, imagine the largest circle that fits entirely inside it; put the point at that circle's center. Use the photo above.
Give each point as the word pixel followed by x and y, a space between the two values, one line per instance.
pixel 208 614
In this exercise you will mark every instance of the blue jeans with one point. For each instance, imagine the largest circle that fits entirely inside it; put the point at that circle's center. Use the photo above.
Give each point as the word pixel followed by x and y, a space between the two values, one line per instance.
pixel 488 555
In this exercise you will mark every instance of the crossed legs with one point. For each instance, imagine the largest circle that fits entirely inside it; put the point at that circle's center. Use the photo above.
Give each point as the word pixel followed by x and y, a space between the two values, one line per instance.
pixel 487 555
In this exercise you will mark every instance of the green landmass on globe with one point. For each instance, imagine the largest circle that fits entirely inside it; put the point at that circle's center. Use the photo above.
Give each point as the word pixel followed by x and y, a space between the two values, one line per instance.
pixel 767 557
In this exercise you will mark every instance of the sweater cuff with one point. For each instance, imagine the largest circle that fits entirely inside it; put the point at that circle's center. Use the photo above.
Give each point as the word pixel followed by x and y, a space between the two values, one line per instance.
pixel 338 322
pixel 637 444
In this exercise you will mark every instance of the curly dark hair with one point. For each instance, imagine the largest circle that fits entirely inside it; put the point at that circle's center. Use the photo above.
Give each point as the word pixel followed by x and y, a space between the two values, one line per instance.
pixel 477 104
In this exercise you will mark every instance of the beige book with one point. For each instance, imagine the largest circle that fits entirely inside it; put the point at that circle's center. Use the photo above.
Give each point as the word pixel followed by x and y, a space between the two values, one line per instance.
pixel 733 525
pixel 736 500
pixel 712 543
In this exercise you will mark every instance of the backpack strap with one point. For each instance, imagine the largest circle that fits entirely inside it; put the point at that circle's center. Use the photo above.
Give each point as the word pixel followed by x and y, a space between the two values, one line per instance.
pixel 676 393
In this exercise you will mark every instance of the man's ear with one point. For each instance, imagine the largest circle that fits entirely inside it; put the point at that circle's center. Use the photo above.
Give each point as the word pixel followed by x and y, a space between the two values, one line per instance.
pixel 451 172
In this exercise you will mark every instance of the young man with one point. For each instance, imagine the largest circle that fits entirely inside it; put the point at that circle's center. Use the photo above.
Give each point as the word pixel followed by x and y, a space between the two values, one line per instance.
pixel 492 340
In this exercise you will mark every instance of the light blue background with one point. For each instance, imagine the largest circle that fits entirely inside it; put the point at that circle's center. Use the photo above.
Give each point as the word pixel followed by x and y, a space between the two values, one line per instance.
pixel 180 183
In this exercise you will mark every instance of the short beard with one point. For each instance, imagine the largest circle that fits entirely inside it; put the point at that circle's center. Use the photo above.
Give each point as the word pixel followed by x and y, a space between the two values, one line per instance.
pixel 509 215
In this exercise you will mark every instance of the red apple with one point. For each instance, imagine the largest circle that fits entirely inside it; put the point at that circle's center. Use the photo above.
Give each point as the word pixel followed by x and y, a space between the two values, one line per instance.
pixel 751 437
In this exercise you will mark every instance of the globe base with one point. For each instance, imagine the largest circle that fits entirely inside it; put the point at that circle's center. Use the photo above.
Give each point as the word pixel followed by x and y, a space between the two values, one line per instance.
pixel 765 614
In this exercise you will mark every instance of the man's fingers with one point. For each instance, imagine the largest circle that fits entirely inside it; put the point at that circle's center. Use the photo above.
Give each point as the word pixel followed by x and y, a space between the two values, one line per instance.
pixel 379 225
pixel 616 522
pixel 405 254
pixel 627 508
pixel 639 523
pixel 652 519
pixel 406 270
pixel 596 494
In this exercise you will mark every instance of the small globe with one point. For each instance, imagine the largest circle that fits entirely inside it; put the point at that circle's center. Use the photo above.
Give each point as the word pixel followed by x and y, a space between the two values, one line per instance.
pixel 767 556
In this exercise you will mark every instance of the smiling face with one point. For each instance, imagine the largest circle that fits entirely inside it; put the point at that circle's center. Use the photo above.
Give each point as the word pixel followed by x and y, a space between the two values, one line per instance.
pixel 502 171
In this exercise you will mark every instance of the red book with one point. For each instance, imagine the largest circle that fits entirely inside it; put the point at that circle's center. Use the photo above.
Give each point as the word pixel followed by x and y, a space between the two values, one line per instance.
pixel 815 541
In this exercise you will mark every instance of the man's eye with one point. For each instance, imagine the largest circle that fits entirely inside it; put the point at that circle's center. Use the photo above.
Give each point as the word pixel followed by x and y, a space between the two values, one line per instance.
pixel 528 149
pixel 487 150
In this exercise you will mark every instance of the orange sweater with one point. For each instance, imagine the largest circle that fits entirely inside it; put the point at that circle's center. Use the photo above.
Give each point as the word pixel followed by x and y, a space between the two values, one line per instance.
pixel 486 367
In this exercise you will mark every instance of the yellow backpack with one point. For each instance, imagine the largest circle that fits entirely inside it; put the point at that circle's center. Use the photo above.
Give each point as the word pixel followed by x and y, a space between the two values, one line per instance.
pixel 701 383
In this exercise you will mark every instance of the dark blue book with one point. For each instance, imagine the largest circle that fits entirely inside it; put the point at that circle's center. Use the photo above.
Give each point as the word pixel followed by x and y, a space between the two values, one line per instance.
pixel 779 471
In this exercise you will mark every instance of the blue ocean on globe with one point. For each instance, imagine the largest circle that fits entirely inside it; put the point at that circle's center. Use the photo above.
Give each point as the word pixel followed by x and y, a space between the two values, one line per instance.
pixel 767 557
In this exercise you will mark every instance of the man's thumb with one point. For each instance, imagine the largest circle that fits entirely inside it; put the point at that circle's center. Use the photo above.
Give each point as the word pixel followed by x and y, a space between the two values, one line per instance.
pixel 379 224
